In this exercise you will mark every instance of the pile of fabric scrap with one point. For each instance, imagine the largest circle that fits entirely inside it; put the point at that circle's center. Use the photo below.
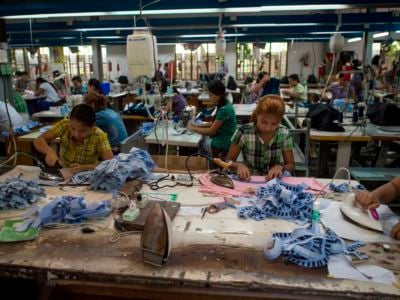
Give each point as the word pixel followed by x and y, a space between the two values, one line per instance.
pixel 278 199
pixel 27 127
pixel 69 209
pixel 309 249
pixel 112 174
pixel 19 193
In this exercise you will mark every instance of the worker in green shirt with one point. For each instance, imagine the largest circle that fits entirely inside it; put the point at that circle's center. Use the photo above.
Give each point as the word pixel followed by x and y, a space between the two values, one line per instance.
pixel 224 125
pixel 297 90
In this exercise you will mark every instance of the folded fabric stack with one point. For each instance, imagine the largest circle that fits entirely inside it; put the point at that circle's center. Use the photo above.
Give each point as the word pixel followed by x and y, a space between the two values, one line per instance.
pixel 280 200
pixel 69 209
pixel 19 193
pixel 112 174
pixel 308 249
pixel 27 127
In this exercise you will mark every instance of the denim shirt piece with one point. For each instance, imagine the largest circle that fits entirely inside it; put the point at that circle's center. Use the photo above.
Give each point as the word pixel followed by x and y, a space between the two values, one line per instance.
pixel 68 209
pixel 344 187
pixel 280 200
pixel 305 248
pixel 27 127
pixel 19 193
pixel 112 174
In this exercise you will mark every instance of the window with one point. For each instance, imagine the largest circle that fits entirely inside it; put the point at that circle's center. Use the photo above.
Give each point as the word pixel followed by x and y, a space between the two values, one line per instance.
pixel 78 61
pixel 251 59
pixel 194 59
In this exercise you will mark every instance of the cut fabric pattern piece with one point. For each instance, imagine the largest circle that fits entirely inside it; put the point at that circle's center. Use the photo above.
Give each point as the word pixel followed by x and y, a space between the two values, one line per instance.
pixel 243 187
pixel 305 248
pixel 112 174
pixel 279 200
pixel 19 193
pixel 69 209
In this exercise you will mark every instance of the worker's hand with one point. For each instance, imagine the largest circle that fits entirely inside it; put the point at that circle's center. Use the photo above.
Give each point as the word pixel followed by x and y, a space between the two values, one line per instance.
pixel 395 232
pixel 274 172
pixel 367 200
pixel 190 126
pixel 76 168
pixel 243 172
pixel 51 158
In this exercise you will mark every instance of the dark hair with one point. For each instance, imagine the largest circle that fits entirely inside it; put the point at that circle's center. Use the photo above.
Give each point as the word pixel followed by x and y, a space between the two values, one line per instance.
pixel 56 73
pixel 375 60
pixel 284 80
pixel 96 84
pixel 260 76
pixel 40 80
pixel 83 113
pixel 76 78
pixel 294 77
pixel 99 101
pixel 218 88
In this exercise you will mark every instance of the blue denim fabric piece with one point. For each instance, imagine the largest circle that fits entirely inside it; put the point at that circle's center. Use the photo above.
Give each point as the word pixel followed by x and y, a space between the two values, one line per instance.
pixel 308 249
pixel 22 129
pixel 344 187
pixel 146 128
pixel 69 209
pixel 280 200
pixel 112 174
pixel 19 193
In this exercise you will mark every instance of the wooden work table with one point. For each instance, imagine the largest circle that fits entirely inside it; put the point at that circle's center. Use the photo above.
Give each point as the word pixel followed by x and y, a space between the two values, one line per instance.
pixel 218 257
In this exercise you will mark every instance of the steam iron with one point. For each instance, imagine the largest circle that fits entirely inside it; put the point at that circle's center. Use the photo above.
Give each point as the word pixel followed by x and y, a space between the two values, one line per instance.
pixel 156 237
pixel 221 179
pixel 51 173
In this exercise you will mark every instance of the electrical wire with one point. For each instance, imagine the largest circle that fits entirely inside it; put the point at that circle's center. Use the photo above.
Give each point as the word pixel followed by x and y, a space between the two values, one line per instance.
pixel 329 77
pixel 10 129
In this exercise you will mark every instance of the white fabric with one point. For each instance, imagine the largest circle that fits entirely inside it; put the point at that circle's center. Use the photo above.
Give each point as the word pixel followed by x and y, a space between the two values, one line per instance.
pixel 16 118
pixel 49 92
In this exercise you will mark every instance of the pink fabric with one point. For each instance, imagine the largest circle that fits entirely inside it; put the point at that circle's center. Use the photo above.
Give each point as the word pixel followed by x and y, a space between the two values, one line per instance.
pixel 243 187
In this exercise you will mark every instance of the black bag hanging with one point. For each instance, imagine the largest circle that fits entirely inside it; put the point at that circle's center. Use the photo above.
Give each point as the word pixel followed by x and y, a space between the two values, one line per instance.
pixel 322 117
pixel 384 114
pixel 232 85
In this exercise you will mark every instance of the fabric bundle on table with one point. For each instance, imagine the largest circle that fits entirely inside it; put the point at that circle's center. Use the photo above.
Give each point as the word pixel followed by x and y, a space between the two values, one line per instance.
pixel 69 209
pixel 19 193
pixel 309 249
pixel 344 187
pixel 279 200
pixel 112 174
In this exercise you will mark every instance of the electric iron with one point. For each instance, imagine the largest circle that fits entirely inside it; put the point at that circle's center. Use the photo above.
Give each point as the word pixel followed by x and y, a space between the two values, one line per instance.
pixel 156 237
pixel 220 178
pixel 51 173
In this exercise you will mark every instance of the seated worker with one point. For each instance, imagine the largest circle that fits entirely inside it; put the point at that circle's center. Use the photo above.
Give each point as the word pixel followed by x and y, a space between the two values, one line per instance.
pixel 297 90
pixel 256 89
pixel 46 89
pixel 82 144
pixel 22 81
pixel 263 142
pixel 224 125
pixel 384 194
pixel 77 86
pixel 107 120
pixel 342 89
pixel 15 118
pixel 177 103
pixel 94 86
pixel 267 84
pixel 59 82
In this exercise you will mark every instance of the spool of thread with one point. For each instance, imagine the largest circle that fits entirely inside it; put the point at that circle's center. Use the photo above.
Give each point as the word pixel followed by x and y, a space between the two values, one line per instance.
pixel 355 116
pixel 361 111
pixel 340 117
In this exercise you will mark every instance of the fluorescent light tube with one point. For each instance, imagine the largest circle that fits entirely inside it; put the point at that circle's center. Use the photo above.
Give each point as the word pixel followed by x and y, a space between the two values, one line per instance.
pixel 381 34
pixel 356 39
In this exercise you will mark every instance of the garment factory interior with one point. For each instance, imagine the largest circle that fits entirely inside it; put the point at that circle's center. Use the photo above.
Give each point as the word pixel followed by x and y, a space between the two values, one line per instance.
pixel 210 150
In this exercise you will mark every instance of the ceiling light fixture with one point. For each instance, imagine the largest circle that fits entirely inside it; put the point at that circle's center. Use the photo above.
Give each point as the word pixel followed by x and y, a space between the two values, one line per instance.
pixel 104 37
pixel 274 25
pixel 210 35
pixel 253 9
pixel 356 39
pixel 381 34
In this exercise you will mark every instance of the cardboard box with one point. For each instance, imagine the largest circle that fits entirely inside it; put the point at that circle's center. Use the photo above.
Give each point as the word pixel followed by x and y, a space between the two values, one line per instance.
pixel 176 164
